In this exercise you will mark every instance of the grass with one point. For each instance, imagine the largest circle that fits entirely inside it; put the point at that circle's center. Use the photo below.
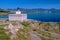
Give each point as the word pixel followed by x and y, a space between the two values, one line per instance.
pixel 3 35
pixel 25 23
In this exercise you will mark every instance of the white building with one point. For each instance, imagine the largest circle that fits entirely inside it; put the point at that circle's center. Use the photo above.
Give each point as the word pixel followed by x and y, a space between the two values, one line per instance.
pixel 18 16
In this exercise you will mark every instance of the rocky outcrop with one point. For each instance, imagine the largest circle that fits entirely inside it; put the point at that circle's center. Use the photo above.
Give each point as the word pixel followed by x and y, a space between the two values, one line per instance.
pixel 13 29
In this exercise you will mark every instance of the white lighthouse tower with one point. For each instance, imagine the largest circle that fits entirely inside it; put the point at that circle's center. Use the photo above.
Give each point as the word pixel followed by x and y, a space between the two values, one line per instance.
pixel 18 12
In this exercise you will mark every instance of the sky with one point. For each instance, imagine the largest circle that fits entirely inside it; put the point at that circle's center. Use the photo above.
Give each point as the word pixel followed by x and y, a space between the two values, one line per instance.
pixel 46 4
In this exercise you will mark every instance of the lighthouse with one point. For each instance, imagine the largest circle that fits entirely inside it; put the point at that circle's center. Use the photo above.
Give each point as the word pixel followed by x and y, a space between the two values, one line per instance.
pixel 18 12
pixel 17 16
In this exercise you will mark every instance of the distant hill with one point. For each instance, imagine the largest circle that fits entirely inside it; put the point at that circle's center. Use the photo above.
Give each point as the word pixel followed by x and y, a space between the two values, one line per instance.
pixel 36 10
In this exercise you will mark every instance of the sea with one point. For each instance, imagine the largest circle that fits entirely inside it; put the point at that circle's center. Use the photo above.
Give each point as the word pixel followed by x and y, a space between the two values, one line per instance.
pixel 44 17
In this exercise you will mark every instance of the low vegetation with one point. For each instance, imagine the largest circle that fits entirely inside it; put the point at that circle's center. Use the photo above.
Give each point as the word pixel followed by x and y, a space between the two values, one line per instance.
pixel 44 30
pixel 3 35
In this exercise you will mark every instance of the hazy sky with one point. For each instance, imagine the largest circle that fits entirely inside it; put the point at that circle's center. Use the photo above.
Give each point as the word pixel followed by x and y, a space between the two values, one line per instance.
pixel 30 4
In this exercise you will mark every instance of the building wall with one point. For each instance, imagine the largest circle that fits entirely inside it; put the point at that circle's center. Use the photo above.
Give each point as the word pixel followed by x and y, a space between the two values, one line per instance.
pixel 24 18
pixel 15 17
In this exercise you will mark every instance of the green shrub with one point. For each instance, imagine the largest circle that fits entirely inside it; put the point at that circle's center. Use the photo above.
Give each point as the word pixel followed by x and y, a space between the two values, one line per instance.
pixel 25 24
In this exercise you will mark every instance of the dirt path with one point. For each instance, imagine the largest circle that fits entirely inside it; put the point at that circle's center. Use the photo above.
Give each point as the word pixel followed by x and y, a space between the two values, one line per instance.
pixel 34 36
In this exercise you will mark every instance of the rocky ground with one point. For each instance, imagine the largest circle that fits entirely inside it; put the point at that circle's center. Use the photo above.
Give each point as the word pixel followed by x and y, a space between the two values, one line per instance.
pixel 31 30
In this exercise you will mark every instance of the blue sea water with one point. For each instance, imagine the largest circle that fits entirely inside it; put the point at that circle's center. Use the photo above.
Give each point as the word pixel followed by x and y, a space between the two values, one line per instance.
pixel 45 17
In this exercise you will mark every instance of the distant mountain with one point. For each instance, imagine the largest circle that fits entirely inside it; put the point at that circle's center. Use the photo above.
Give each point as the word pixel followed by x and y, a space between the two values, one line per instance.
pixel 36 10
